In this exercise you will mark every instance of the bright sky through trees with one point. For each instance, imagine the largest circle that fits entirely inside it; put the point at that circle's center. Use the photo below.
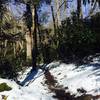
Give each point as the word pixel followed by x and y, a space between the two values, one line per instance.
pixel 18 9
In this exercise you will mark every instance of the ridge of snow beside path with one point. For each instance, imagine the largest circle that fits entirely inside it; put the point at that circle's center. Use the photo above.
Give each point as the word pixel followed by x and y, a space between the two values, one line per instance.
pixel 83 77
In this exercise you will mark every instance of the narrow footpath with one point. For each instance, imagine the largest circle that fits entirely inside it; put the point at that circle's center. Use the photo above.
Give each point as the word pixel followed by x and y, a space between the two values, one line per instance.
pixel 60 92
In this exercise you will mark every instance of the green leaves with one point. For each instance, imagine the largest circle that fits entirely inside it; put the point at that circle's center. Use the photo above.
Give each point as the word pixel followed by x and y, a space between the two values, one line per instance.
pixel 4 87
pixel 76 38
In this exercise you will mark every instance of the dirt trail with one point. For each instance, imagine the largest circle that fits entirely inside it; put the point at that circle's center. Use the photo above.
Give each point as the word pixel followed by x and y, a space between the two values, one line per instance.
pixel 60 92
pixel 54 87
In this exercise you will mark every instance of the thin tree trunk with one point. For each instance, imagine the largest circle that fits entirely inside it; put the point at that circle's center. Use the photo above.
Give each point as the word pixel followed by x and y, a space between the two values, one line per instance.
pixel 79 9
pixel 56 41
pixel 65 8
pixel 54 24
pixel 28 19
pixel 14 48
pixel 5 45
pixel 58 12
pixel 34 51
pixel 29 45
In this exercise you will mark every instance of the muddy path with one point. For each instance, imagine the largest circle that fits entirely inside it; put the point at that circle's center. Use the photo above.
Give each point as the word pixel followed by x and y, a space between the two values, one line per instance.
pixel 60 92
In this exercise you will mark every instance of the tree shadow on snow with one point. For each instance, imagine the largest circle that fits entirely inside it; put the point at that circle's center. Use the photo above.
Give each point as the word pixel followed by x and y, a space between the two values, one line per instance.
pixel 33 74
pixel 30 76
pixel 95 69
pixel 96 66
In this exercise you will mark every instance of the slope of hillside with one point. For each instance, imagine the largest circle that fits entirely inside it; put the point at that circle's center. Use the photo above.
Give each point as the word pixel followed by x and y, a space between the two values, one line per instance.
pixel 82 80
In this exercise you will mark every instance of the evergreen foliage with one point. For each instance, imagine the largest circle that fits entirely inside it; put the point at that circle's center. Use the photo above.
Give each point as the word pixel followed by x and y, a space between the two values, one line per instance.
pixel 4 87
pixel 76 38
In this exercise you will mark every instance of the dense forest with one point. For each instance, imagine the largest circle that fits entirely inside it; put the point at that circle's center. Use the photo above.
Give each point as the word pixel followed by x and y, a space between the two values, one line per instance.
pixel 25 41
pixel 53 45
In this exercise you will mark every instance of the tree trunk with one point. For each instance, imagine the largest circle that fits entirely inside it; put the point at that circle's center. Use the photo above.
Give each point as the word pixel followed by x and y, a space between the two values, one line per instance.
pixel 14 49
pixel 31 36
pixel 65 8
pixel 54 24
pixel 29 45
pixel 5 45
pixel 34 51
pixel 56 41
pixel 28 36
pixel 58 12
pixel 79 9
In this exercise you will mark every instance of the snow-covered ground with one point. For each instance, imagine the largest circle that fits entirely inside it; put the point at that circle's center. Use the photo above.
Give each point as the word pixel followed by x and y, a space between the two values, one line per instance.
pixel 34 91
pixel 85 77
